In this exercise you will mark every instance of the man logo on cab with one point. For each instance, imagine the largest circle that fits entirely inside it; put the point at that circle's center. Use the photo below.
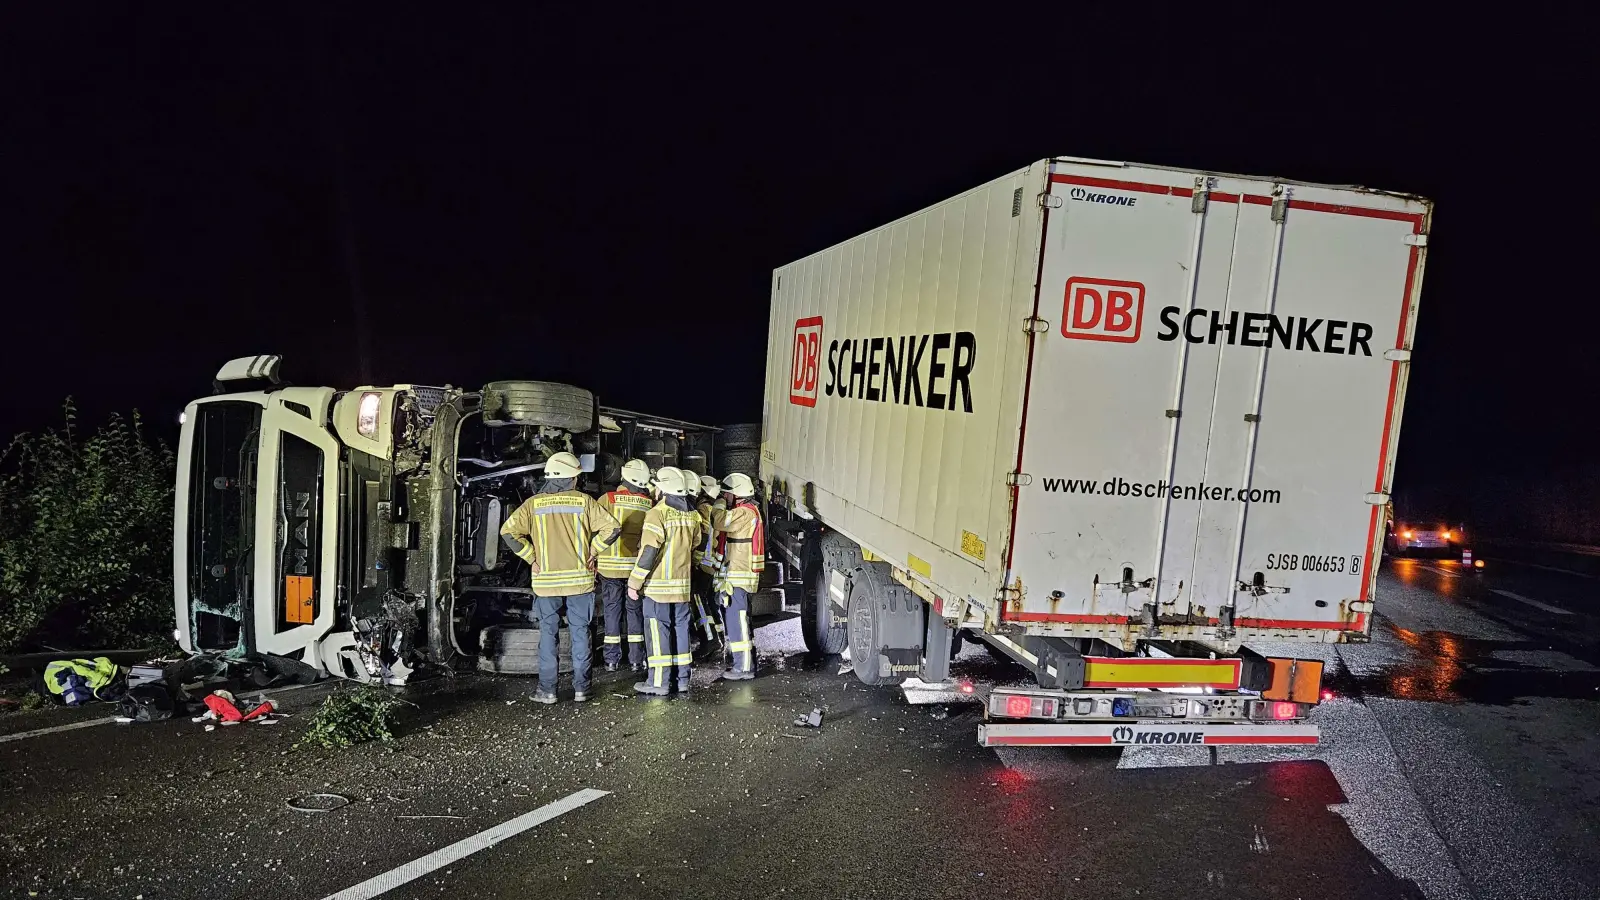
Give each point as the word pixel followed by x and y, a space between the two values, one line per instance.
pixel 1099 309
pixel 804 371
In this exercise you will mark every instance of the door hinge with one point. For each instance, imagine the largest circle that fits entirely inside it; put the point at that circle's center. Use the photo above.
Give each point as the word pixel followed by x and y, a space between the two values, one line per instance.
pixel 1018 479
pixel 1174 413
pixel 1050 201
pixel 1252 417
pixel 1377 498
pixel 1396 354
pixel 1202 194
pixel 1415 240
pixel 1035 325
pixel 1280 204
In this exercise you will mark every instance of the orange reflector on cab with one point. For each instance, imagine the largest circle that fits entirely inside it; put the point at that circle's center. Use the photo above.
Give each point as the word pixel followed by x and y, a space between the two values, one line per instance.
pixel 299 599
pixel 1295 680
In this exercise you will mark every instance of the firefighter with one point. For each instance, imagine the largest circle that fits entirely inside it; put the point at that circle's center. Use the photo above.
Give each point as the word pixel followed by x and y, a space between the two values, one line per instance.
pixel 628 505
pixel 672 528
pixel 707 565
pixel 560 531
pixel 741 535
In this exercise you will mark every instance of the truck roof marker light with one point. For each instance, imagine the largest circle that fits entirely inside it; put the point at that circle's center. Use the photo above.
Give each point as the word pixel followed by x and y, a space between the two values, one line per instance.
pixel 367 413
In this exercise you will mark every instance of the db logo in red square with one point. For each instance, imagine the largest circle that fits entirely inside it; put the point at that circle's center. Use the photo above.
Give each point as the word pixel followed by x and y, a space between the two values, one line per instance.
pixel 1098 309
pixel 804 371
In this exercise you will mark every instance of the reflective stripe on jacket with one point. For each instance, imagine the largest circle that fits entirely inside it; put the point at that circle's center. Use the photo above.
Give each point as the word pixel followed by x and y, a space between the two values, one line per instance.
pixel 629 509
pixel 742 537
pixel 675 532
pixel 560 533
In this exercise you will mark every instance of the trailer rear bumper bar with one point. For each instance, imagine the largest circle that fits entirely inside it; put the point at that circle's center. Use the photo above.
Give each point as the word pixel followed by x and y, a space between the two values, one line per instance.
pixel 1008 734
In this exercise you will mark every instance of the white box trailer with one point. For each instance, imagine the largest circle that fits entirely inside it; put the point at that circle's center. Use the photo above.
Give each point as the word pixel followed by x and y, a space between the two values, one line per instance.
pixel 1118 421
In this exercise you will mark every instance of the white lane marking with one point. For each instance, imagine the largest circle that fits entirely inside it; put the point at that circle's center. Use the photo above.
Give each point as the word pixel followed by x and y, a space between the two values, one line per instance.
pixel 461 849
pixel 1445 572
pixel 1534 603
pixel 1530 565
pixel 21 735
pixel 106 721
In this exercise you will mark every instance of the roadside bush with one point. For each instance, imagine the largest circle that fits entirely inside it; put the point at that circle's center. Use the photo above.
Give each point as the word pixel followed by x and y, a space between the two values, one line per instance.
pixel 86 538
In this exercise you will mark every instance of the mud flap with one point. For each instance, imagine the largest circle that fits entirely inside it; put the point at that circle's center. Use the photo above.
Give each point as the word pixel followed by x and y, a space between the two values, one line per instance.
pixel 902 626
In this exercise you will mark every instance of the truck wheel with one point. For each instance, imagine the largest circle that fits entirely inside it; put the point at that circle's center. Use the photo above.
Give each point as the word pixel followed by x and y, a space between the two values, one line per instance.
pixel 740 437
pixel 870 600
pixel 816 614
pixel 538 403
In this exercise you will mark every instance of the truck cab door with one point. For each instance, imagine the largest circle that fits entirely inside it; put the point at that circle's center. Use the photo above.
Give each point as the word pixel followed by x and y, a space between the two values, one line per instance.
pixel 297 515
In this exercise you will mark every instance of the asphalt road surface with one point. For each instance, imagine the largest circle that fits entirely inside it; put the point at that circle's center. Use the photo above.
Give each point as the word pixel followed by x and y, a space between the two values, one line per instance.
pixel 1458 761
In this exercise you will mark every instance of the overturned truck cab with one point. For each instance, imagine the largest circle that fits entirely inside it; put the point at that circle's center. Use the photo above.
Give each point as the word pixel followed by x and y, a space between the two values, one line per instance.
pixel 357 532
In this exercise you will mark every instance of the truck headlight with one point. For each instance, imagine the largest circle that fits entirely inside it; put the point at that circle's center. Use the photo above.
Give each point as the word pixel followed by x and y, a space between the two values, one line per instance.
pixel 367 414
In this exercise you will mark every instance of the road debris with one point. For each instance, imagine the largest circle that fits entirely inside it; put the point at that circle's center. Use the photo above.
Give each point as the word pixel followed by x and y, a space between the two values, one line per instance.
pixel 812 719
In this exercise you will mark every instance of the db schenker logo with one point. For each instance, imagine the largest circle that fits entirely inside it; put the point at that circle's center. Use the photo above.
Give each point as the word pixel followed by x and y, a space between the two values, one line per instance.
pixel 805 364
pixel 1098 309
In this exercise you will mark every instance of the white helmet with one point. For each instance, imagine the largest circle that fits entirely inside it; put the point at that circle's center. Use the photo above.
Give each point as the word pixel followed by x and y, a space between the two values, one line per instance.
pixel 669 480
pixel 562 465
pixel 691 484
pixel 739 485
pixel 710 486
pixel 637 473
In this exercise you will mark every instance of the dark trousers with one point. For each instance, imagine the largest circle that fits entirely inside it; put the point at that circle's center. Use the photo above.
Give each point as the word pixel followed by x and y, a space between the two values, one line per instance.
pixel 705 608
pixel 616 607
pixel 580 613
pixel 667 633
pixel 741 643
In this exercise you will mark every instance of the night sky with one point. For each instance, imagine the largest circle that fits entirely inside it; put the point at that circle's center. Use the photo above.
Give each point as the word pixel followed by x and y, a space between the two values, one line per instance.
pixel 513 193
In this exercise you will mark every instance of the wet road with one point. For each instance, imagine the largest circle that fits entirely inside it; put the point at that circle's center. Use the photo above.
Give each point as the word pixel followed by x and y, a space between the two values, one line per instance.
pixel 1458 762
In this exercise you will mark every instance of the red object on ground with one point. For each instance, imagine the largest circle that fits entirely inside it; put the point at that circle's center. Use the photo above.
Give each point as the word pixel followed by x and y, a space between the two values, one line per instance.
pixel 224 708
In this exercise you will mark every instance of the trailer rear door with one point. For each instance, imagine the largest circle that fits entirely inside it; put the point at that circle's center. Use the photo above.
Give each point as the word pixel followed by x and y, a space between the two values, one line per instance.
pixel 1210 413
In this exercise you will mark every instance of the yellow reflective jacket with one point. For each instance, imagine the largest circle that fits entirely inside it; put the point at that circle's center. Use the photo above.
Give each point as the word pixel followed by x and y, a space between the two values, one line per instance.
pixel 628 508
pixel 560 533
pixel 742 543
pixel 675 532
pixel 705 556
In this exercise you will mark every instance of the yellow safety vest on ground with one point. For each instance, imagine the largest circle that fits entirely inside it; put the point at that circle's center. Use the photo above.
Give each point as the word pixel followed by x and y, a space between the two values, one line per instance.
pixel 743 541
pixel 675 531
pixel 560 533
pixel 629 509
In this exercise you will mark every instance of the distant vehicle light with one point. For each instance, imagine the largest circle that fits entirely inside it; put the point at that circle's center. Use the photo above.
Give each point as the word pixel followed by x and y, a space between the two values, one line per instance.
pixel 1281 711
pixel 1477 564
pixel 1445 535
pixel 367 414
pixel 1407 535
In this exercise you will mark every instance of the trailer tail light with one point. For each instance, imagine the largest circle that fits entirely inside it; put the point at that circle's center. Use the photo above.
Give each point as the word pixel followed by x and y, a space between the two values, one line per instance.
pixel 1275 710
pixel 1023 706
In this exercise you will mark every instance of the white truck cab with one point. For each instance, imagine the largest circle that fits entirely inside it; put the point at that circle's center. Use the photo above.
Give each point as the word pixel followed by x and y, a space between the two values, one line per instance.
pixel 357 532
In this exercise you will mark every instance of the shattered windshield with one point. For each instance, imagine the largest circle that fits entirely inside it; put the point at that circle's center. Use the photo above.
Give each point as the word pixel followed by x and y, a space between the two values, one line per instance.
pixel 227 438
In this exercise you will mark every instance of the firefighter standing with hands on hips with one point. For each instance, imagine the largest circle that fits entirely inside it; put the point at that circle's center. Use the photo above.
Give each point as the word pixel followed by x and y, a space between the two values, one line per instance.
pixel 559 532
pixel 660 579
pixel 628 505
pixel 741 543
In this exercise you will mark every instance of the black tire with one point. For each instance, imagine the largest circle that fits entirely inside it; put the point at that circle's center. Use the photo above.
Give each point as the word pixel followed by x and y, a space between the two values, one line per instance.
pixel 745 436
pixel 538 403
pixel 746 461
pixel 821 634
pixel 868 600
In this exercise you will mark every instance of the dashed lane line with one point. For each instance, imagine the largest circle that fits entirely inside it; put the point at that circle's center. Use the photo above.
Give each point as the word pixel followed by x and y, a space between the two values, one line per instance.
pixel 1533 603
pixel 461 849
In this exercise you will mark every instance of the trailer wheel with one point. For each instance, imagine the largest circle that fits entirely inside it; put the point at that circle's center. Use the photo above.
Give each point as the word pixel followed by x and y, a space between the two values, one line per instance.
pixel 744 436
pixel 538 403
pixel 821 634
pixel 870 599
